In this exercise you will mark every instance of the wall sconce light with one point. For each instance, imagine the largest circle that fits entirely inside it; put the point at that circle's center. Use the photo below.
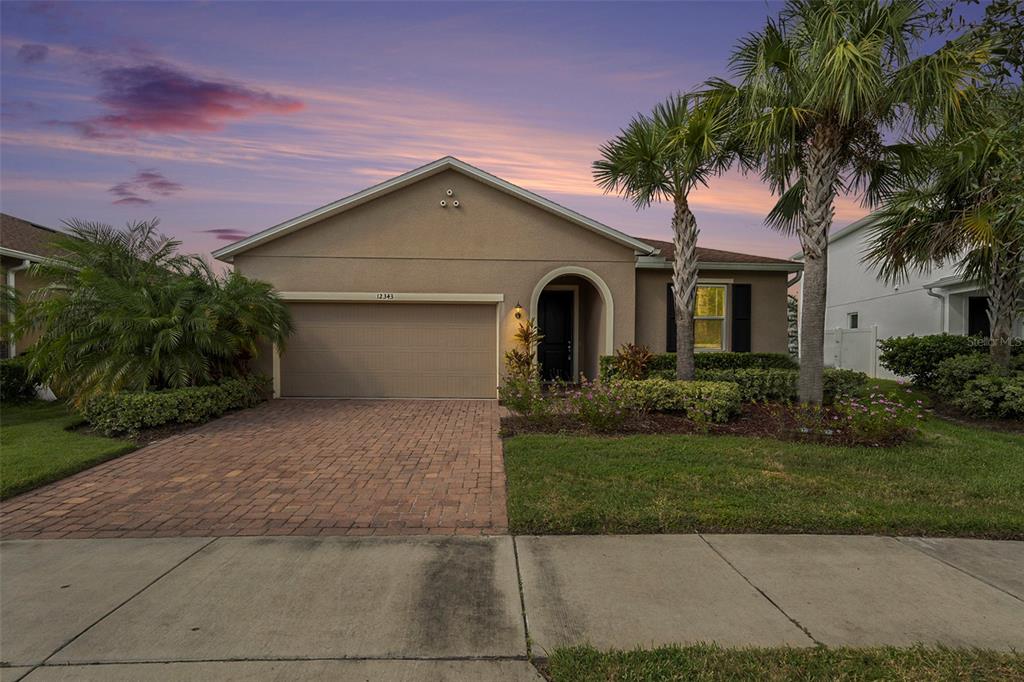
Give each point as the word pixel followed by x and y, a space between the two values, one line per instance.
pixel 519 311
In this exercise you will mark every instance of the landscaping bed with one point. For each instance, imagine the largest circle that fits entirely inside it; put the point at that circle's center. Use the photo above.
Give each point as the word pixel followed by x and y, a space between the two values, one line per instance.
pixel 785 422
pixel 714 663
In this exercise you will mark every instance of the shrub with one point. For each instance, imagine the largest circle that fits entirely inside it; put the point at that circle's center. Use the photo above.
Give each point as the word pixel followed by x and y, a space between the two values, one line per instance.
pixel 780 385
pixel 875 420
pixel 15 380
pixel 128 413
pixel 990 395
pixel 664 364
pixel 918 357
pixel 952 374
pixel 713 401
pixel 632 360
pixel 601 406
pixel 525 396
pixel 843 382
pixel 757 385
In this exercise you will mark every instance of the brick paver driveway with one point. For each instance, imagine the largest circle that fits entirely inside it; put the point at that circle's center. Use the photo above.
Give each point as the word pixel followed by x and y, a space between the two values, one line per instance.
pixel 291 467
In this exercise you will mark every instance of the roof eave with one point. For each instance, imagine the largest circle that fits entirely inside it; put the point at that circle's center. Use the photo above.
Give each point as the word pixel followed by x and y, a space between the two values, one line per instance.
pixel 652 263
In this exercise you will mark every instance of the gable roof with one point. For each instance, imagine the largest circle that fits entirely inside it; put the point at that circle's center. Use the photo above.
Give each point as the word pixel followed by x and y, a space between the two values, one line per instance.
pixel 22 239
pixel 446 163
pixel 718 259
pixel 855 226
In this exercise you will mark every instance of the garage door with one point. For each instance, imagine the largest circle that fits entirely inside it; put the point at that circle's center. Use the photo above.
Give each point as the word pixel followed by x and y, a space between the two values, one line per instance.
pixel 391 350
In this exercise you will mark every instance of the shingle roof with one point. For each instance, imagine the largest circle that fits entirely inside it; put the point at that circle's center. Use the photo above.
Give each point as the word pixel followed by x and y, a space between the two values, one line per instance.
pixel 21 235
pixel 714 255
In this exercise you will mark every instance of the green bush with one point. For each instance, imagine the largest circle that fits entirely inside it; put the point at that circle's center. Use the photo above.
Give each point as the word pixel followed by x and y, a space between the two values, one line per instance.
pixel 843 382
pixel 664 364
pixel 756 385
pixel 713 401
pixel 918 357
pixel 130 412
pixel 15 381
pixel 952 374
pixel 990 395
pixel 780 385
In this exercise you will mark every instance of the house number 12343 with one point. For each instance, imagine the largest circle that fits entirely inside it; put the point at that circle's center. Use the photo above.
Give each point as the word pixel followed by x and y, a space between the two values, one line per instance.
pixel 384 296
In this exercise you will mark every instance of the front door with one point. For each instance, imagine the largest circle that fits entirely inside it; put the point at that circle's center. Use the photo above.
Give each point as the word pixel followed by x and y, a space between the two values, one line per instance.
pixel 554 316
pixel 977 317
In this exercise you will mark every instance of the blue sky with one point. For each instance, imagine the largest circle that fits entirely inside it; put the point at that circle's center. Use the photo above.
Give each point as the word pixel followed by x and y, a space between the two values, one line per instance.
pixel 223 118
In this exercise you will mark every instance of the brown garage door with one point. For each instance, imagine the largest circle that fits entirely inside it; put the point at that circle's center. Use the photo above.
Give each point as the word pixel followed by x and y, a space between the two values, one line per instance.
pixel 391 350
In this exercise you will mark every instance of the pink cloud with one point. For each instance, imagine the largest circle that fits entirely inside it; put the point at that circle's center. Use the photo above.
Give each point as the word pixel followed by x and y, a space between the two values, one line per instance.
pixel 159 98
pixel 226 234
pixel 148 181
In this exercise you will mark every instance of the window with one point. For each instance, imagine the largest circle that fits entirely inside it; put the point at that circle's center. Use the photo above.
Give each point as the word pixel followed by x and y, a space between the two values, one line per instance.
pixel 853 320
pixel 709 317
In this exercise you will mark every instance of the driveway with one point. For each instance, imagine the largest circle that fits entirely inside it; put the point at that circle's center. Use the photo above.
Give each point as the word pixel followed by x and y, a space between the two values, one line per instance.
pixel 291 467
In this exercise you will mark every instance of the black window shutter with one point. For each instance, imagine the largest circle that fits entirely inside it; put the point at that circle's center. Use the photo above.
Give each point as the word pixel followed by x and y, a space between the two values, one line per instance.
pixel 741 318
pixel 670 331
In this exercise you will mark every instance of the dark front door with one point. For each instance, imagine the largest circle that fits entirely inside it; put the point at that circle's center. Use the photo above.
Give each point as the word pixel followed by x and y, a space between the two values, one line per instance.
pixel 554 316
pixel 977 317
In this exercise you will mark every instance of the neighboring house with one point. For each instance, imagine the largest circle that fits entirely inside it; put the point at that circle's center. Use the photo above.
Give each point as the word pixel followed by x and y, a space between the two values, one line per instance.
pixel 860 309
pixel 21 244
pixel 415 288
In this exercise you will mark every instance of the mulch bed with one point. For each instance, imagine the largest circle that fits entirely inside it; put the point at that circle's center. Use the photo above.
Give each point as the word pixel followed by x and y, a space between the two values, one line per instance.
pixel 952 414
pixel 755 420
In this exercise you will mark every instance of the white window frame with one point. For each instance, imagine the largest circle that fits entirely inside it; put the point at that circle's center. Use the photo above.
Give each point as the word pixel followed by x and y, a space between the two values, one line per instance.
pixel 723 318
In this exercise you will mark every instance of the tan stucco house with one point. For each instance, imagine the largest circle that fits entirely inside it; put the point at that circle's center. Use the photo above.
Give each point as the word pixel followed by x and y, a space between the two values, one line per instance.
pixel 411 288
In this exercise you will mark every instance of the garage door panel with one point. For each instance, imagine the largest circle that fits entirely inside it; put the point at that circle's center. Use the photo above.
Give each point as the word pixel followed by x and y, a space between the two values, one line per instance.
pixel 390 350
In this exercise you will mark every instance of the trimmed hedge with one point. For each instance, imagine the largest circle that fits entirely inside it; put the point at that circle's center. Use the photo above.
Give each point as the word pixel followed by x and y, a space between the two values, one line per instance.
pixel 918 357
pixel 780 385
pixel 15 381
pixel 130 412
pixel 714 401
pixel 664 364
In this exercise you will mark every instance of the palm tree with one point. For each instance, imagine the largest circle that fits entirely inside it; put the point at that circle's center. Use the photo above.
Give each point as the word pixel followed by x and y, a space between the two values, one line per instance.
pixel 966 206
pixel 817 89
pixel 662 157
pixel 125 311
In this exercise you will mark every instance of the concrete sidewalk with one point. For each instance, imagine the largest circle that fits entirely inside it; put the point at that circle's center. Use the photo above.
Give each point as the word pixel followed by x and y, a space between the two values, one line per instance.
pixel 451 608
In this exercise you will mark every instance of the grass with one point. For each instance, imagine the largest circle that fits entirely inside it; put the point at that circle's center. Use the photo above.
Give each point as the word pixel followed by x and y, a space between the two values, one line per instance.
pixel 37 448
pixel 953 480
pixel 708 662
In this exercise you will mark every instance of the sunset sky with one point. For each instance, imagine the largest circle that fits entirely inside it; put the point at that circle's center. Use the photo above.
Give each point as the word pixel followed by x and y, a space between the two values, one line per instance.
pixel 223 119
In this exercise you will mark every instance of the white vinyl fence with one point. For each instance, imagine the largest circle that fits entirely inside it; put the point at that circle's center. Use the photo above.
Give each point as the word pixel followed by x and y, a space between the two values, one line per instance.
pixel 853 349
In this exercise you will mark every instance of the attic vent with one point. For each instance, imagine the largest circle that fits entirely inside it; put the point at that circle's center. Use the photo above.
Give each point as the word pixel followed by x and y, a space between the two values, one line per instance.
pixel 454 203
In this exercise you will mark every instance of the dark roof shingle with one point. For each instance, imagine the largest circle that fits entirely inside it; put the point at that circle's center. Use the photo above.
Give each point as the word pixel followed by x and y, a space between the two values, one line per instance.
pixel 21 235
pixel 713 255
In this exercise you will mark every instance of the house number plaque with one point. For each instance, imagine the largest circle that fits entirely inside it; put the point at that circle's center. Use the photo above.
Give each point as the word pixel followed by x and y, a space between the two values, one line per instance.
pixel 385 296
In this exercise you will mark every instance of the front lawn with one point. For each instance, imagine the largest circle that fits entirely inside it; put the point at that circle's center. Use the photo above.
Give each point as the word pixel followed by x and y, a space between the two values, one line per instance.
pixel 706 662
pixel 37 448
pixel 952 480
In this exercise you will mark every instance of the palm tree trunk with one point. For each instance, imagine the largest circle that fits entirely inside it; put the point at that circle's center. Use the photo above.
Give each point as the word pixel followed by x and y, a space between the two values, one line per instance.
pixel 820 173
pixel 684 284
pixel 1006 289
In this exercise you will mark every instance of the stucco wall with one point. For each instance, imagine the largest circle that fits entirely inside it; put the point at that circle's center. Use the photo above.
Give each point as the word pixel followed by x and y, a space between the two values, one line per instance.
pixel 768 307
pixel 25 284
pixel 405 242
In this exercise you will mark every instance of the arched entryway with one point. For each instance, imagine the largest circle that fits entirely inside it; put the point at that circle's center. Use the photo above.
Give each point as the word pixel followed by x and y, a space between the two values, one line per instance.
pixel 574 309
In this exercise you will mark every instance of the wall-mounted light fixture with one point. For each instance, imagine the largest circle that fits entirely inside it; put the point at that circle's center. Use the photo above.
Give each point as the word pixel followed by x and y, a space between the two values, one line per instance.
pixel 519 311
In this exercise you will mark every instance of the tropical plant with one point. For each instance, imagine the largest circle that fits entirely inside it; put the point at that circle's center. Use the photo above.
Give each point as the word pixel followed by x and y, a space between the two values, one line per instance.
pixel 632 361
pixel 966 205
pixel 662 157
pixel 817 89
pixel 125 311
pixel 521 363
